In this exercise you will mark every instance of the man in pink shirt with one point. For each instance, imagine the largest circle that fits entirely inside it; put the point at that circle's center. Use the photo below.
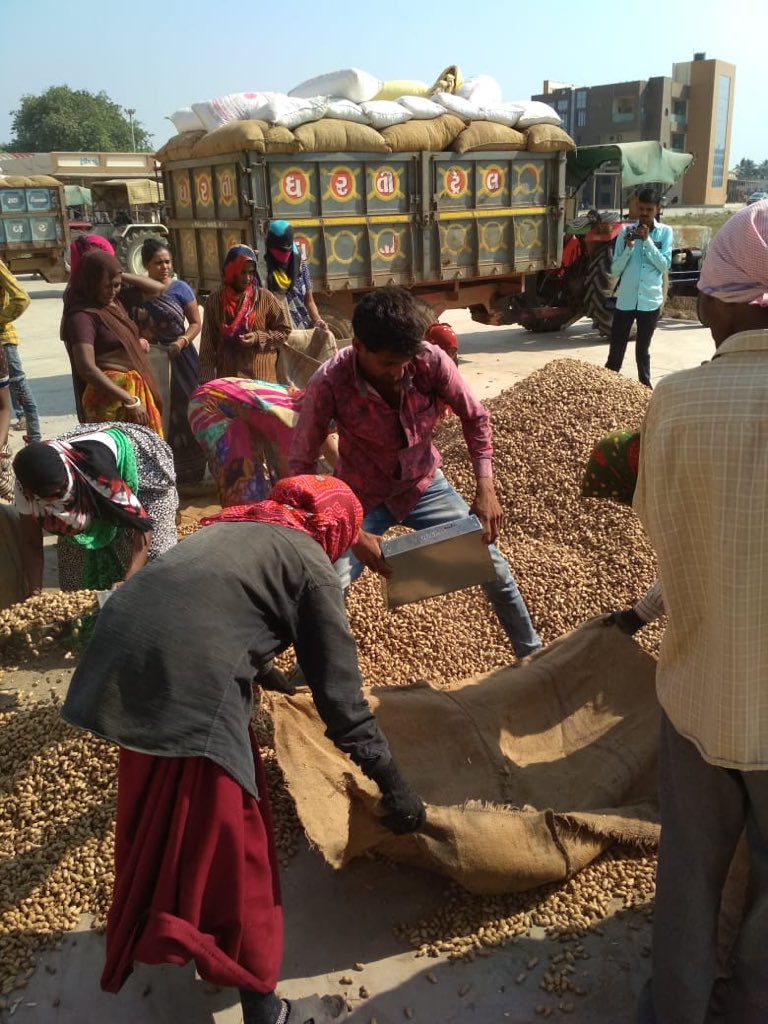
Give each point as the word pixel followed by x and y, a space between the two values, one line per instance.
pixel 385 395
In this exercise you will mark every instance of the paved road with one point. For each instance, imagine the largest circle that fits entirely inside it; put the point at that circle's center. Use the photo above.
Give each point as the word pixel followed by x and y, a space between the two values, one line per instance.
pixel 336 919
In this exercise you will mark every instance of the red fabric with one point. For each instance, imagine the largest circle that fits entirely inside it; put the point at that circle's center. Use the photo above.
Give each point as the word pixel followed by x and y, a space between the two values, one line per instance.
pixel 196 874
pixel 321 506
pixel 444 336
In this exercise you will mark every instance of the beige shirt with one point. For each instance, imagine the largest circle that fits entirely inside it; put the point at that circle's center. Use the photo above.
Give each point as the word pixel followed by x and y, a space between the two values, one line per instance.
pixel 702 495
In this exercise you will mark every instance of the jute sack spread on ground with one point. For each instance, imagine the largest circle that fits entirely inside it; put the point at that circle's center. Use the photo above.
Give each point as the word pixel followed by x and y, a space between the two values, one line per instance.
pixel 529 773
pixel 418 136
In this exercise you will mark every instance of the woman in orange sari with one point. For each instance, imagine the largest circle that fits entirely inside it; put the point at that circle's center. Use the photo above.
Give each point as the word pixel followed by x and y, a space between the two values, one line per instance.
pixel 112 378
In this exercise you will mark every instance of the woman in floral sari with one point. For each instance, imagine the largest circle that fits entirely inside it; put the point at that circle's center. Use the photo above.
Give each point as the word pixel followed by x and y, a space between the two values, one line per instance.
pixel 110 371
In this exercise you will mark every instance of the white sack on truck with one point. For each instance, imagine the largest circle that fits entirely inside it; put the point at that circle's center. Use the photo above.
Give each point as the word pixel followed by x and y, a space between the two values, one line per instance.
pixel 536 112
pixel 185 120
pixel 421 108
pixel 348 83
pixel 290 111
pixel 456 105
pixel 234 106
pixel 482 90
pixel 383 113
pixel 346 110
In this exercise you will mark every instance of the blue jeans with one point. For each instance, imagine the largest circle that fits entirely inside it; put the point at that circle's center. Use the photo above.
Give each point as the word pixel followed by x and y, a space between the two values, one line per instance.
pixel 439 504
pixel 21 396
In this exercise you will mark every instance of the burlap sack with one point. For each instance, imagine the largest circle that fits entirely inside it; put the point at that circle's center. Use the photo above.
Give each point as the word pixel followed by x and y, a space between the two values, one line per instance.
pixel 332 135
pixel 301 354
pixel 486 135
pixel 548 138
pixel 429 136
pixel 180 147
pixel 529 773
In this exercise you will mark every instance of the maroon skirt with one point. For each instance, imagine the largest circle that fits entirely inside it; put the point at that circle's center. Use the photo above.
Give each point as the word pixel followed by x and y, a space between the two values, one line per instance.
pixel 196 874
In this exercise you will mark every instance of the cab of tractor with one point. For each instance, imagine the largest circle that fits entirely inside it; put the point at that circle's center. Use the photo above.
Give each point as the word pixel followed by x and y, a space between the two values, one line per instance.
pixel 583 285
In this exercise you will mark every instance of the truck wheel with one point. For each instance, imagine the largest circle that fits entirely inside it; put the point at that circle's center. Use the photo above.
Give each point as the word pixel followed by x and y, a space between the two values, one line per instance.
pixel 546 324
pixel 599 286
pixel 128 249
pixel 340 325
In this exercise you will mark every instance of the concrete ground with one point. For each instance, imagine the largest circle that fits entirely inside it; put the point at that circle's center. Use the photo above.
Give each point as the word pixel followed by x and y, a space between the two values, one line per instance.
pixel 336 920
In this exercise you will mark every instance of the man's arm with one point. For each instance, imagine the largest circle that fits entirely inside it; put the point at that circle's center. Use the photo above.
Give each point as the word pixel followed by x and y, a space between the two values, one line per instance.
pixel 17 298
pixel 476 426
pixel 317 409
pixel 659 256
pixel 326 652
pixel 622 253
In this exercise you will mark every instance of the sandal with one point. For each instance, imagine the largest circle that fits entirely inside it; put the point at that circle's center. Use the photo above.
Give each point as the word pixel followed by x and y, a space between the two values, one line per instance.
pixel 316 1010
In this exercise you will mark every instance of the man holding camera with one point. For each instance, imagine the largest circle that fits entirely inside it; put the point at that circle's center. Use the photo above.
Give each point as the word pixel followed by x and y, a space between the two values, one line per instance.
pixel 642 256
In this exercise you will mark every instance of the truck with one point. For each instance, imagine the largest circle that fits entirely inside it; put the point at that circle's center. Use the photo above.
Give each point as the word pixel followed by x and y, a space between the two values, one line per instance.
pixel 458 230
pixel 583 285
pixel 34 233
pixel 126 211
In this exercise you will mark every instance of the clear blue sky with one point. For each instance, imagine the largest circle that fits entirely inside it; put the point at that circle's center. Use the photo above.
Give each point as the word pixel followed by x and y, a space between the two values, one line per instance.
pixel 157 56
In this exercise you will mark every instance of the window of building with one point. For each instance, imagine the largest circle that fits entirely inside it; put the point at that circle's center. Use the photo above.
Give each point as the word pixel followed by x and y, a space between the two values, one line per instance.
pixel 677 141
pixel 721 130
pixel 581 118
pixel 680 109
pixel 623 109
pixel 581 99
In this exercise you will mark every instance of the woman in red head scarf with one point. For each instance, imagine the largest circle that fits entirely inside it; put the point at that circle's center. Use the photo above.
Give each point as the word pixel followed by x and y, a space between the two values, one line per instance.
pixel 195 866
pixel 243 324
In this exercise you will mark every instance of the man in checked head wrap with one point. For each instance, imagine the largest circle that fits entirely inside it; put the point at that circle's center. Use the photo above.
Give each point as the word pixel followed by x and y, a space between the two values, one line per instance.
pixel 702 495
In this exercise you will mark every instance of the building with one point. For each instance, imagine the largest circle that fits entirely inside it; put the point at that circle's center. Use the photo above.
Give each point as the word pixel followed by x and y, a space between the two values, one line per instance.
pixel 690 111
pixel 81 168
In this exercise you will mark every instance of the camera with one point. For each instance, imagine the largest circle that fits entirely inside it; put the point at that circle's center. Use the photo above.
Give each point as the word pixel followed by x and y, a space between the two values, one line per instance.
pixel 631 235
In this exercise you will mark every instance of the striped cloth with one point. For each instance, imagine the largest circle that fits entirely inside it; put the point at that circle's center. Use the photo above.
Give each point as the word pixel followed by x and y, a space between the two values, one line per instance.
pixel 234 359
pixel 702 495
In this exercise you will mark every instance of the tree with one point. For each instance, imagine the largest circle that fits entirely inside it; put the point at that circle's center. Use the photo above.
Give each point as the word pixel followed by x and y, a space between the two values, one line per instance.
pixel 68 119
pixel 746 169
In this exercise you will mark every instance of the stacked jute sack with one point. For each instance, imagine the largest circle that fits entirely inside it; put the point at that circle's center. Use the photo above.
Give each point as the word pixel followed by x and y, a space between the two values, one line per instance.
pixel 351 111
pixel 22 181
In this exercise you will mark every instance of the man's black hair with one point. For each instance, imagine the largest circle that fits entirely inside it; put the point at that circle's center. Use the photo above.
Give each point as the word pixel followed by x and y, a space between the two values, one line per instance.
pixel 389 319
pixel 649 195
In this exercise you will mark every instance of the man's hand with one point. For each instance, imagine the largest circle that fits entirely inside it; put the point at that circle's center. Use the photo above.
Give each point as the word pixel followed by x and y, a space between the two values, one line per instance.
pixel 627 620
pixel 487 509
pixel 368 551
pixel 642 232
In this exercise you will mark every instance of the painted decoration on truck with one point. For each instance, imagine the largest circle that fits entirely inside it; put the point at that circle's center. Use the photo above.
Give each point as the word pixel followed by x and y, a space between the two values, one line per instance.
pixel 182 193
pixel 226 188
pixel 528 234
pixel 492 238
pixel 294 186
pixel 304 245
pixel 386 243
pixel 493 180
pixel 203 189
pixel 455 182
pixel 530 182
pixel 386 184
pixel 342 184
pixel 344 246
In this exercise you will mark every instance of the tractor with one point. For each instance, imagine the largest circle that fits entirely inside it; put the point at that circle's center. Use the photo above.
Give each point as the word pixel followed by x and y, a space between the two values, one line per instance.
pixel 583 286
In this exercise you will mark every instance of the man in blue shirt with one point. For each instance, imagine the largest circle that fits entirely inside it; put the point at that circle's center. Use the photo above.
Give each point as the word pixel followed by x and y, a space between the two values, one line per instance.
pixel 642 256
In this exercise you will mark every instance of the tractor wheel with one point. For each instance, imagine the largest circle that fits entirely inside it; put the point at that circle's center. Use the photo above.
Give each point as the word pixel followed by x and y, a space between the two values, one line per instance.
pixel 128 249
pixel 340 325
pixel 599 286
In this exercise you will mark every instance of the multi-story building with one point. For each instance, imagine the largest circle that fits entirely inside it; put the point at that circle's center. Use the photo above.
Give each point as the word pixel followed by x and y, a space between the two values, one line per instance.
pixel 691 111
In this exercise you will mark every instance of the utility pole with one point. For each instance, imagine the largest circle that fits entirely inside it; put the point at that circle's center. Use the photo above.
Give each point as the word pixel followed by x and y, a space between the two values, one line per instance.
pixel 130 111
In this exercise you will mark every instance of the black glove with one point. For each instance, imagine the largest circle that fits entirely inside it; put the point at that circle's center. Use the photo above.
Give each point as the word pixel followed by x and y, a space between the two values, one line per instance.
pixel 628 621
pixel 404 810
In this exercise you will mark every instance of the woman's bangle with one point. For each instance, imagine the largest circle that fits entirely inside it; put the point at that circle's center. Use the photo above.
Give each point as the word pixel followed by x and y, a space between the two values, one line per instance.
pixel 133 402
pixel 185 339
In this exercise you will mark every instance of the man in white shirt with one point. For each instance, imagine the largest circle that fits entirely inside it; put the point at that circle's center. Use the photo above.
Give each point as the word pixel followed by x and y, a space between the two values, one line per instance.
pixel 702 495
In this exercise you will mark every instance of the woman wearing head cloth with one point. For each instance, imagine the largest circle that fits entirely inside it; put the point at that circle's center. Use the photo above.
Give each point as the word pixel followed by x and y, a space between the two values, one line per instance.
pixel 110 371
pixel 288 276
pixel 195 865
pixel 107 491
pixel 243 324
